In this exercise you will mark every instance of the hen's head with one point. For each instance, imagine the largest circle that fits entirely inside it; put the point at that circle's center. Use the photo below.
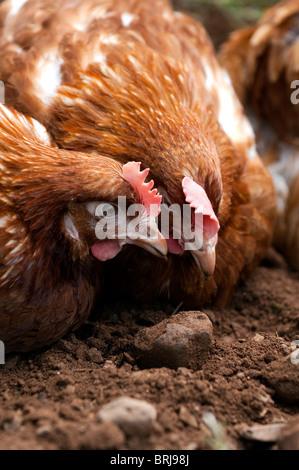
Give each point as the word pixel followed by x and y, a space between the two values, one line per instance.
pixel 88 202
pixel 192 190
pixel 124 216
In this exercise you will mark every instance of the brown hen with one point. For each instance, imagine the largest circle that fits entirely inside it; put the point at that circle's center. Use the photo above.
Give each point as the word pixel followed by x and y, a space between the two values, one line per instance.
pixel 49 274
pixel 263 62
pixel 133 80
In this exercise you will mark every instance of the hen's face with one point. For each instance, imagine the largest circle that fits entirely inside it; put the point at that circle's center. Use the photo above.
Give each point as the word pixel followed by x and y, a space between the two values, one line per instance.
pixel 193 227
pixel 105 226
pixel 192 191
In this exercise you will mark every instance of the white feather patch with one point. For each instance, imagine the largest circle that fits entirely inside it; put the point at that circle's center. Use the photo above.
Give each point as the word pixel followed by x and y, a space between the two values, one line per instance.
pixel 48 77
pixel 16 6
pixel 287 165
pixel 232 118
pixel 100 58
pixel 80 27
pixel 3 221
pixel 108 39
pixel 7 112
pixel 70 227
pixel 126 19
pixel 41 132
pixel 210 79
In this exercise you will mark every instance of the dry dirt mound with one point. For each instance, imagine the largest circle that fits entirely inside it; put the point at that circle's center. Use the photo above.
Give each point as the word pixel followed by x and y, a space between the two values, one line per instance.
pixel 51 399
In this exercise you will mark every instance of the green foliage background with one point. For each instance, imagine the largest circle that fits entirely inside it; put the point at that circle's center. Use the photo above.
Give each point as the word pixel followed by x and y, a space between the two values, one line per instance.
pixel 223 16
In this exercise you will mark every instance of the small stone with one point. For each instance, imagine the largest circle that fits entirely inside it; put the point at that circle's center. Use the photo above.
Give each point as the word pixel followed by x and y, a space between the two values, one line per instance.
pixel 77 404
pixel 200 385
pixel 161 383
pixel 260 432
pixel 258 338
pixel 183 340
pixel 134 417
pixel 12 425
pixel 138 377
pixel 44 431
pixel 64 345
pixel 70 389
pixel 42 397
pixel 64 380
pixel 193 446
pixel 240 375
pixel 227 339
pixel 187 417
pixel 93 355
pixel 289 438
pixel 128 358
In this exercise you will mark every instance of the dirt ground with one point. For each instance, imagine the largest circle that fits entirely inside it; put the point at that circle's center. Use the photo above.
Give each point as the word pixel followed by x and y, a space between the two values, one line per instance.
pixel 50 399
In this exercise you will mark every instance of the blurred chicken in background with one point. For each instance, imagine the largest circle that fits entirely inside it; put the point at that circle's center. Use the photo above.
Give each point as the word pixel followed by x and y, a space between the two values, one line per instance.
pixel 263 62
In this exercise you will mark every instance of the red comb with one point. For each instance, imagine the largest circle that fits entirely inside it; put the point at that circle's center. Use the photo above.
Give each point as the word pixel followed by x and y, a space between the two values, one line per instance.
pixel 149 197
pixel 198 199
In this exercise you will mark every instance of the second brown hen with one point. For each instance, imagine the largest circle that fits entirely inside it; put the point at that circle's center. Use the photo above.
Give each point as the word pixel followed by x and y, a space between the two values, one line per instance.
pixel 263 62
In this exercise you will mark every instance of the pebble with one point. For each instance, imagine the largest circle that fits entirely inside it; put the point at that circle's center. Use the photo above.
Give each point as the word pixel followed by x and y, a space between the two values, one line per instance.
pixel 183 340
pixel 261 432
pixel 64 380
pixel 13 425
pixel 187 418
pixel 258 338
pixel 134 417
pixel 70 389
pixel 93 355
pixel 44 431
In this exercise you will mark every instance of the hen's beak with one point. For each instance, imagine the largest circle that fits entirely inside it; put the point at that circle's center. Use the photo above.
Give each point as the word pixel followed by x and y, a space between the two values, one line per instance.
pixel 205 258
pixel 156 247
pixel 152 240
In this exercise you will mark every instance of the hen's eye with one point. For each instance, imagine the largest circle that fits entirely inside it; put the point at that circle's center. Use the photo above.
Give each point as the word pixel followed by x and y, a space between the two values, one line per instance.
pixel 106 210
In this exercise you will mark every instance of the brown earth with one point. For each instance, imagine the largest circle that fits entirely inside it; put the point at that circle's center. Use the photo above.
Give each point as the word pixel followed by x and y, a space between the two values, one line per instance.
pixel 50 399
